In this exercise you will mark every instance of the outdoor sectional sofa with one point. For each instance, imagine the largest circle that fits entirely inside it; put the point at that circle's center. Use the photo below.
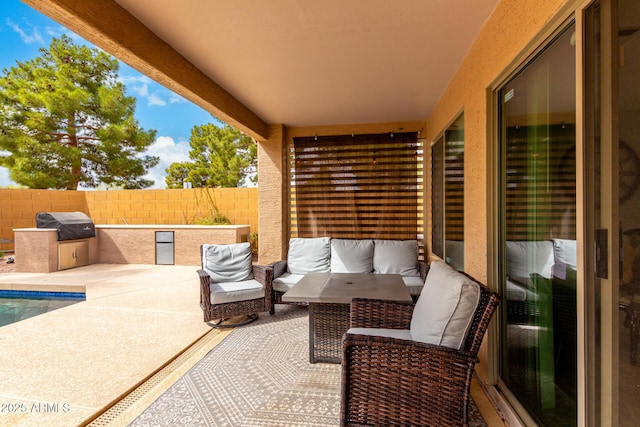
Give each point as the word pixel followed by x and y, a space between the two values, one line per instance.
pixel 330 255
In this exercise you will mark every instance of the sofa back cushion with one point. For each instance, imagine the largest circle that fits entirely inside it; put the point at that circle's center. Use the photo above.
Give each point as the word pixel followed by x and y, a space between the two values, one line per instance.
pixel 444 311
pixel 396 257
pixel 351 256
pixel 228 263
pixel 525 258
pixel 309 255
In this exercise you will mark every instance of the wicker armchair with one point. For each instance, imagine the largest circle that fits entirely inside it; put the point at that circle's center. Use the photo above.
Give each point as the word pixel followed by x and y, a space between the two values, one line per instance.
pixel 224 299
pixel 390 381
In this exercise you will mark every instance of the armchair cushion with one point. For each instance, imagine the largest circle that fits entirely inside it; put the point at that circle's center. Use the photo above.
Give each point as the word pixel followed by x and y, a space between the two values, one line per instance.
pixel 351 256
pixel 226 292
pixel 309 255
pixel 228 263
pixel 445 309
pixel 396 257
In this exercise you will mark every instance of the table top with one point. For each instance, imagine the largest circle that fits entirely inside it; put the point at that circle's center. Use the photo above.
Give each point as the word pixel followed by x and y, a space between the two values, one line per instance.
pixel 342 287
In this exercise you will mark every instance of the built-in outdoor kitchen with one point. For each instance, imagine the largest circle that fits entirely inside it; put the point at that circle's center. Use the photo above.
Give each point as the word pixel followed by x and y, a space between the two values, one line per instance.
pixel 63 240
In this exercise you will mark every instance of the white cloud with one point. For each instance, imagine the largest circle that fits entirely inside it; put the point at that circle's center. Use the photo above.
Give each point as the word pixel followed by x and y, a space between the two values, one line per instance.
pixel 33 37
pixel 139 85
pixel 174 98
pixel 169 152
pixel 154 99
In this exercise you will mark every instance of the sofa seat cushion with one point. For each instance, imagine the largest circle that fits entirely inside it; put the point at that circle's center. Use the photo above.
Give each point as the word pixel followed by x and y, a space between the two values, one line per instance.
pixel 225 292
pixel 401 334
pixel 351 256
pixel 445 309
pixel 309 255
pixel 228 263
pixel 396 257
pixel 515 292
pixel 414 285
pixel 286 281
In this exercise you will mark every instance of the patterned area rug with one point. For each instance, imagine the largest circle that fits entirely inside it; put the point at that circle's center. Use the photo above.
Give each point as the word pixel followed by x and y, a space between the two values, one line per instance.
pixel 259 375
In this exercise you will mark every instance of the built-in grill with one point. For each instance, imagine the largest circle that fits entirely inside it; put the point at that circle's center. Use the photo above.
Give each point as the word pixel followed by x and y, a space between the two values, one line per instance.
pixel 70 225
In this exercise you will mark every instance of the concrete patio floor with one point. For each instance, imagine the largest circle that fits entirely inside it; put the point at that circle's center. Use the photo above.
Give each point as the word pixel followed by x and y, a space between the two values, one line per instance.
pixel 64 367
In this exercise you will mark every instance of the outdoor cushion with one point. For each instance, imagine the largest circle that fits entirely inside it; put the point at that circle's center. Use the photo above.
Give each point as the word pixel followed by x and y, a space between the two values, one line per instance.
pixel 525 258
pixel 309 255
pixel 396 257
pixel 515 292
pixel 351 256
pixel 414 285
pixel 225 292
pixel 411 281
pixel 227 263
pixel 286 281
pixel 445 309
pixel 565 255
pixel 401 334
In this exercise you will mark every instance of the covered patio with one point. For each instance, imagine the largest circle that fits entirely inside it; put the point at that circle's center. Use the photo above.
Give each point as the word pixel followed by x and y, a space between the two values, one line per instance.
pixel 288 72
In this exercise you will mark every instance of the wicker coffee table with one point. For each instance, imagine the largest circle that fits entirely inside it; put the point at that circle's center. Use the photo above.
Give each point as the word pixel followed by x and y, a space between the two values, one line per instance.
pixel 329 296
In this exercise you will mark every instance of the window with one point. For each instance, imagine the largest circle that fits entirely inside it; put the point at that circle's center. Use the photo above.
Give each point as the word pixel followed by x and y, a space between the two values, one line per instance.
pixel 360 186
pixel 447 195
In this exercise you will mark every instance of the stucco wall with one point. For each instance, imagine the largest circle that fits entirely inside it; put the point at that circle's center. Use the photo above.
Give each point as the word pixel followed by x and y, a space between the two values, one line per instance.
pixel 18 207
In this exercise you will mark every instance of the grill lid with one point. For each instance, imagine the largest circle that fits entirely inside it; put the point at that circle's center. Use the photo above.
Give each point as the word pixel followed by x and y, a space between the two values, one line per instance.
pixel 70 225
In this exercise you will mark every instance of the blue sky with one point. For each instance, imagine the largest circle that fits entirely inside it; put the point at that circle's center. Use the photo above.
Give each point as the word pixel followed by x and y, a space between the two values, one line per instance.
pixel 23 31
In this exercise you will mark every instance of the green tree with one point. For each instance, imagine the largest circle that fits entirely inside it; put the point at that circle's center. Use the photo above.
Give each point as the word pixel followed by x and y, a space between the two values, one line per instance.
pixel 220 157
pixel 65 121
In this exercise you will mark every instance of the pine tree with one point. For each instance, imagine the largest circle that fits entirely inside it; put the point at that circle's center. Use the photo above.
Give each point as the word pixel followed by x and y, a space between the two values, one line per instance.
pixel 65 121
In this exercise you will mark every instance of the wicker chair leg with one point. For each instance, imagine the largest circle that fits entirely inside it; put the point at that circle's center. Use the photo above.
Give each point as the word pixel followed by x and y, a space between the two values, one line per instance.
pixel 221 325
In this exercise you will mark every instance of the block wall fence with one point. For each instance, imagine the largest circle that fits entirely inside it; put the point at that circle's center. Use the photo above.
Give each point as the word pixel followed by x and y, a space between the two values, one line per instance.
pixel 18 207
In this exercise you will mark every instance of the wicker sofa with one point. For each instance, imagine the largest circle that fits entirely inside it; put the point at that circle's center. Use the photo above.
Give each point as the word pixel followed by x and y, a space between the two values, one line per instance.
pixel 325 254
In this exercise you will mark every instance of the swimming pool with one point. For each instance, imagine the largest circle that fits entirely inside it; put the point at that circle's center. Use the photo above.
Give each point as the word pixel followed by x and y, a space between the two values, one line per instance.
pixel 20 305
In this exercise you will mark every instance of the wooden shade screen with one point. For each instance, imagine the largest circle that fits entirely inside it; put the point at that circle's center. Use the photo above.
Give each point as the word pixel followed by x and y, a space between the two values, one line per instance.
pixel 362 186
pixel 540 182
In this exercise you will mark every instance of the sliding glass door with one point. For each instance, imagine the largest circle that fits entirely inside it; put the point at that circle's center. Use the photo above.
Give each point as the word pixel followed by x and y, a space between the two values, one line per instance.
pixel 537 225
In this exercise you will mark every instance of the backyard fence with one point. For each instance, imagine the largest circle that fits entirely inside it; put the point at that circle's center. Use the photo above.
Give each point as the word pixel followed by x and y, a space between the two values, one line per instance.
pixel 239 206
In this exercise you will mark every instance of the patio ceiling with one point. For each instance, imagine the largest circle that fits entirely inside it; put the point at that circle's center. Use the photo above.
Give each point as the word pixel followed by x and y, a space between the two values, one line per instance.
pixel 291 62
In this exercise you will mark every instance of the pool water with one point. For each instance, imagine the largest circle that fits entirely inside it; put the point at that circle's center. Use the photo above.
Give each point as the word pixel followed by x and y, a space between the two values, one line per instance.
pixel 20 305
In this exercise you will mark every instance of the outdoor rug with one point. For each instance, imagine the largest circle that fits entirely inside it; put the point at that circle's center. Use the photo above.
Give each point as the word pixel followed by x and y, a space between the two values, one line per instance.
pixel 259 375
